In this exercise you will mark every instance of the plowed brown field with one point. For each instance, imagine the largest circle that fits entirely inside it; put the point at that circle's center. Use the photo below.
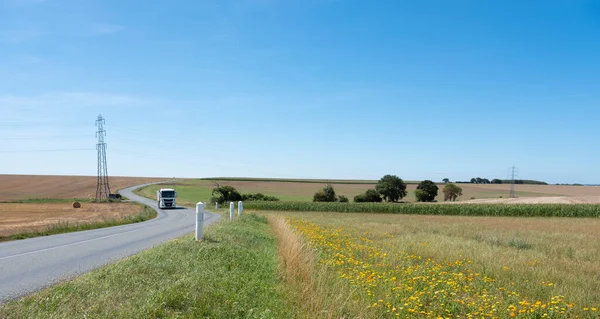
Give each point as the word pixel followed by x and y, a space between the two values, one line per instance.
pixel 16 187
pixel 24 218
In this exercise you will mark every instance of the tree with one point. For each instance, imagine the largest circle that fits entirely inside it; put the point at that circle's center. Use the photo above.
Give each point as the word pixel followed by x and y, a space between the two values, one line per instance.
pixel 478 180
pixel 485 181
pixel 426 191
pixel 222 194
pixel 496 181
pixel 391 187
pixel 327 194
pixel 446 180
pixel 473 181
pixel 370 196
pixel 451 192
pixel 343 199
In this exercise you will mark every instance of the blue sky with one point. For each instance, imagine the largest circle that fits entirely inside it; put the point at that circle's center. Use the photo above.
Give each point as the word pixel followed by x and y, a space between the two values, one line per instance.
pixel 312 88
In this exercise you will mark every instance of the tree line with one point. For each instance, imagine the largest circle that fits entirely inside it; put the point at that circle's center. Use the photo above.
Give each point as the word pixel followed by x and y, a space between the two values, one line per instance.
pixel 479 180
pixel 391 188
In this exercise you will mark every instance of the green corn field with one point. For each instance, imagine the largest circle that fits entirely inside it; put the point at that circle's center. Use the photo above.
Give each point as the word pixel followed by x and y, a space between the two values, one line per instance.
pixel 515 210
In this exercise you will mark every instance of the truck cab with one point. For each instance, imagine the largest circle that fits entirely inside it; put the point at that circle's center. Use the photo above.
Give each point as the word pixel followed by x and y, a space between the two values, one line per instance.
pixel 166 198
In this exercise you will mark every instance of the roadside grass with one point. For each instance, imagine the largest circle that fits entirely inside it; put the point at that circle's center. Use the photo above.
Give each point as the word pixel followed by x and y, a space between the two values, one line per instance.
pixel 233 273
pixel 313 286
pixel 146 213
pixel 412 266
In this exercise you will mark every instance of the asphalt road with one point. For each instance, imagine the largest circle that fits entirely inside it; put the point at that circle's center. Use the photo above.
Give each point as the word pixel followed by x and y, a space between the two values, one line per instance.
pixel 32 264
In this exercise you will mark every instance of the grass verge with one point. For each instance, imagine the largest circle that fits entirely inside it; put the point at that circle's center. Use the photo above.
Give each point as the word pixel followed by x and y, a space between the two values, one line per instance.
pixel 516 210
pixel 233 273
pixel 313 286
pixel 146 213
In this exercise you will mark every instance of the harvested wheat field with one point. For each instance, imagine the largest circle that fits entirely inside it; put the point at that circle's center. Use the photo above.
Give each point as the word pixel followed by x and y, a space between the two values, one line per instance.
pixel 18 187
pixel 25 218
pixel 536 200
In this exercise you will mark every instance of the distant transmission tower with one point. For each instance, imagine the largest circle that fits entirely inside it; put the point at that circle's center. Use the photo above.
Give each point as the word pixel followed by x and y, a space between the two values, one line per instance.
pixel 513 173
pixel 102 189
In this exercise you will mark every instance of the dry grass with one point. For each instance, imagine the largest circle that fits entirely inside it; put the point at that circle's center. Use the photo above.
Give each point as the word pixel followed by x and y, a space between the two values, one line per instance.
pixel 34 217
pixel 525 254
pixel 17 187
pixel 319 295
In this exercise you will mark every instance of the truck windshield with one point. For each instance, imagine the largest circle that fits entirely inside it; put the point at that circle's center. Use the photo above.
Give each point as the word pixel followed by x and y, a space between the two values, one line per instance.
pixel 168 194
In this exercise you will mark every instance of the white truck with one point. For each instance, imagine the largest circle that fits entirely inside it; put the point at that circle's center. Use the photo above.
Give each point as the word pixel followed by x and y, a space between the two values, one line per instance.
pixel 166 198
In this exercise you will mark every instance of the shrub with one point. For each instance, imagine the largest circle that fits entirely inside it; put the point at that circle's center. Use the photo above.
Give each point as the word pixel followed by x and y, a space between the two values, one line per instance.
pixel 422 196
pixel 426 191
pixel 391 187
pixel 370 196
pixel 327 194
pixel 225 194
pixel 259 196
pixel 360 198
pixel 343 199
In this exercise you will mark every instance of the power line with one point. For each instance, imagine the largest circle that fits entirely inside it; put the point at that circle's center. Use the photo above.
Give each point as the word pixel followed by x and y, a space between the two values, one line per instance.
pixel 49 150
pixel 103 189
pixel 46 124
pixel 42 137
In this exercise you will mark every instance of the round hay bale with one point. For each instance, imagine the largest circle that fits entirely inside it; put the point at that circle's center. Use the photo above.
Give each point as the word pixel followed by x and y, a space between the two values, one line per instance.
pixel 76 205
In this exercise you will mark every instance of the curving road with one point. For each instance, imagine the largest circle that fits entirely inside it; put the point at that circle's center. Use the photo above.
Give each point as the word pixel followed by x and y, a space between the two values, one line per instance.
pixel 31 264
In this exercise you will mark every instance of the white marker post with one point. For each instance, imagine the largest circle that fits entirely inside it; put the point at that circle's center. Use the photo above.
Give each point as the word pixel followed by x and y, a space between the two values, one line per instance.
pixel 231 210
pixel 216 205
pixel 199 220
pixel 240 208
